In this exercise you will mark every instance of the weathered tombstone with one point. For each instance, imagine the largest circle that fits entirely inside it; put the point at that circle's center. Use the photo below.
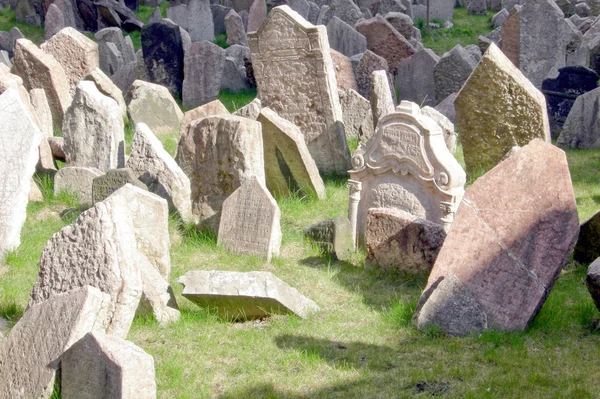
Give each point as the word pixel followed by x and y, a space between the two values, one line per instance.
pixel 382 102
pixel 256 15
pixel 28 358
pixel 201 25
pixel 105 366
pixel 512 234
pixel 204 63
pixel 156 16
pixel 288 165
pixel 236 33
pixel 250 110
pixel 103 186
pixel 20 141
pixel 295 78
pixel 250 222
pixel 153 105
pixel 244 296
pixel 451 72
pixel 499 18
pixel 5 59
pixel 213 108
pixel 369 63
pixel 344 75
pixel 357 112
pixel 154 167
pixel 415 80
pixel 445 124
pixel 219 12
pixel 397 240
pixel 333 236
pixel 488 120
pixel 40 70
pixel 346 10
pixel 76 180
pixel 75 52
pixel 40 105
pixel 54 22
pixel 93 130
pixel 438 9
pixel 477 7
pixel 446 107
pixel 407 166
pixel 179 15
pixel 219 154
pixel 581 129
pixel 588 249
pixel 344 38
pixel 162 46
pixel 108 88
pixel 110 58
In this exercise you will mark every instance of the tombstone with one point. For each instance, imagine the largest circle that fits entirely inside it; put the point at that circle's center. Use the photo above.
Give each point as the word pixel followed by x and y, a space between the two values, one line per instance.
pixel 201 25
pixel 103 186
pixel 345 10
pixel 438 9
pixel 156 16
pixel 204 63
pixel 108 88
pixel 256 15
pixel 445 124
pixel 244 296
pixel 104 366
pixel 581 127
pixel 451 72
pixel 5 59
pixel 42 71
pixel 475 51
pixel 382 102
pixel 213 108
pixel 162 46
pixel 562 91
pixel 40 105
pixel 392 6
pixel 592 281
pixel 289 168
pixel 54 21
pixel 446 107
pixel 369 63
pixel 179 15
pixel 93 130
pixel 154 167
pixel 125 77
pixel 344 75
pixel 26 12
pixel 302 7
pixel 72 49
pixel 477 7
pixel 115 36
pixel 407 166
pixel 344 38
pixel 28 357
pixel 250 110
pixel 21 139
pixel 219 154
pixel 511 237
pixel 415 79
pixel 110 58
pixel 357 111
pixel 488 121
pixel 587 249
pixel 396 240
pixel 499 18
pixel 333 236
pixel 236 33
pixel 76 180
pixel 219 12
pixel 402 23
pixel 295 78
pixel 153 105
pixel 385 41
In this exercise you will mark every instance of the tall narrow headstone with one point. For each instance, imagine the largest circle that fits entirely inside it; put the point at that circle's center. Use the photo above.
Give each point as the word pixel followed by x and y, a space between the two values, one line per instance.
pixel 204 63
pixel 201 25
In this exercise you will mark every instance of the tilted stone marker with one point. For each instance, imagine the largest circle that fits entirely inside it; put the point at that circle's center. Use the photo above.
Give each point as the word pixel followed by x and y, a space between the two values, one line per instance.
pixel 382 102
pixel 451 72
pixel 369 63
pixel 288 164
pixel 103 186
pixel 153 105
pixel 244 296
pixel 415 81
pixel 29 358
pixel 295 78
pixel 20 139
pixel 357 113
pixel 105 366
pixel 76 180
pixel 108 88
pixel 587 249
pixel 445 124
pixel 488 118
pixel 582 129
pixel 204 63
pixel 407 166
pixel 250 222
pixel 333 236
pixel 511 236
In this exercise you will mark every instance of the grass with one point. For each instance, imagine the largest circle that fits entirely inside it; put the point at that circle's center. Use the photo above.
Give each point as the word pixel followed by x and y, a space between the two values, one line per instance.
pixel 235 101
pixel 8 21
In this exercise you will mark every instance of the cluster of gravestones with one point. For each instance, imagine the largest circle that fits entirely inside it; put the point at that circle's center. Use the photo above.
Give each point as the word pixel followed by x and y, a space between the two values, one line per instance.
pixel 492 252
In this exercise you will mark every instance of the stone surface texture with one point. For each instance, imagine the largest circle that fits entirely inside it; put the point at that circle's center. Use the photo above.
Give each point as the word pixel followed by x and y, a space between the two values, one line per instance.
pixel 333 236
pixel 451 72
pixel 153 105
pixel 213 108
pixel 40 105
pixel 587 249
pixel 204 63
pixel 582 126
pixel 344 75
pixel 108 88
pixel 77 180
pixel 415 80
pixel 357 113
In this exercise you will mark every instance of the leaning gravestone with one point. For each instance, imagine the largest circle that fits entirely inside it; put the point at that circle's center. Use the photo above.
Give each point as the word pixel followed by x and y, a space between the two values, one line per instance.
pixel 415 80
pixel 20 138
pixel 204 63
pixel 295 78
pixel 103 186
pixel 213 108
pixel 250 222
pixel 357 113
pixel 244 296
pixel 28 358
pixel 451 72
pixel 369 63
pixel 382 102
pixel 345 10
pixel 344 38
pixel 562 91
pixel 333 236
pixel 108 88
pixel 39 102
pixel 153 105
pixel 236 33
pixel 407 166
pixel 219 154
pixel 588 244
pixel 201 25
pixel 76 180
pixel 55 21
pixel 582 127
pixel 289 167
pixel 488 119
pixel 105 366
pixel 512 234
pixel 93 130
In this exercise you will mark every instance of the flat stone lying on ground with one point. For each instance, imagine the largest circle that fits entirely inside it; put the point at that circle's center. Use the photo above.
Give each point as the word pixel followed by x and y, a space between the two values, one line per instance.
pixel 153 105
pixel 76 180
pixel 244 296
pixel 333 236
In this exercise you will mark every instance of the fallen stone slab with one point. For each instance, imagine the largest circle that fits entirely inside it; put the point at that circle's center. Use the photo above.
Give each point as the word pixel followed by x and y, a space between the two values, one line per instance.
pixel 244 296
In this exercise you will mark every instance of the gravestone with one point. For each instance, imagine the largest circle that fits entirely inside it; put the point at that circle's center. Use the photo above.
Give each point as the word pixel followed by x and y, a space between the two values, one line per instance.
pixel 295 78
pixel 582 129
pixel 40 105
pixel 344 75
pixel 588 249
pixel 256 15
pixel 204 63
pixel 110 58
pixel 477 7
pixel 499 18
pixel 104 366
pixel 250 222
pixel 333 236
pixel 415 80
pixel 219 154
pixel 357 113
pixel 236 33
pixel 250 110
pixel 20 138
pixel 153 105
pixel 402 23
pixel 592 281
pixel 289 167
pixel 438 9
pixel 201 25
pixel 511 236
pixel 382 102
pixel 489 122
pixel 344 38
pixel 54 21
pixel 108 88
pixel 219 12
pixel 93 130
pixel 76 180
pixel 445 124
pixel 369 63
pixel 345 10
pixel 179 15
pixel 562 91
pixel 407 166
pixel 103 186
pixel 446 107
pixel 244 296
pixel 213 108
pixel 451 72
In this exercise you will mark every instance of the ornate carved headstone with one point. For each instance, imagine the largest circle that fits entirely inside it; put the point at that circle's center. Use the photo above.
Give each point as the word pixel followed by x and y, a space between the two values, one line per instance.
pixel 295 78
pixel 407 166
pixel 114 179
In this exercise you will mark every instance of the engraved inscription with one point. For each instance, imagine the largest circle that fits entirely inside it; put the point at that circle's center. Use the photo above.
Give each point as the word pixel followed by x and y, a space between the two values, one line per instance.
pixel 403 141
pixel 389 195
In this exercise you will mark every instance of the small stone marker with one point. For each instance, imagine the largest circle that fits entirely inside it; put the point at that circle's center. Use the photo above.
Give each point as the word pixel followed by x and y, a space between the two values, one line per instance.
pixel 344 74
pixel 511 236
pixel 592 282
pixel 28 358
pixel 369 63
pixel 288 164
pixel 445 124
pixel 256 15
pixel 103 186
pixel 236 33
pixel 39 102
pixel 77 180
pixel 581 129
pixel 153 105
pixel 588 244
pixel 20 139
pixel 382 102
pixel 250 110
pixel 333 236
pixel 54 21
pixel 250 222
pixel 105 366
pixel 244 296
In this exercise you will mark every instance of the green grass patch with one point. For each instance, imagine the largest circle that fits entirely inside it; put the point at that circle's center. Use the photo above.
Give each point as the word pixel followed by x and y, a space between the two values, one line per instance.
pixel 8 21
pixel 221 40
pixel 235 101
